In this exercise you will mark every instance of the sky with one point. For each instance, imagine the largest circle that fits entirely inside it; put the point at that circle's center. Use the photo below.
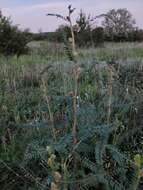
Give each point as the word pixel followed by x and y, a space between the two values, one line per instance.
pixel 32 13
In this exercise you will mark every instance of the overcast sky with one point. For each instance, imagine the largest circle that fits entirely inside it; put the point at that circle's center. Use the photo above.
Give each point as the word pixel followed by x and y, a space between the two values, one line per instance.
pixel 31 13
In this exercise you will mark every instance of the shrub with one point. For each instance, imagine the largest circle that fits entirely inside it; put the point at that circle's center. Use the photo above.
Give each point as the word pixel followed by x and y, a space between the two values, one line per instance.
pixel 12 40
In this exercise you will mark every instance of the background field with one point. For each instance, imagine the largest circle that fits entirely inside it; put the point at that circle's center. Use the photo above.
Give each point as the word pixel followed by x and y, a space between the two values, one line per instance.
pixel 37 116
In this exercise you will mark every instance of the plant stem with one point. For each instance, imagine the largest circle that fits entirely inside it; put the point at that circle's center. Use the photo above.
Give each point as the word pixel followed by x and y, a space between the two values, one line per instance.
pixel 110 91
pixel 49 109
pixel 75 109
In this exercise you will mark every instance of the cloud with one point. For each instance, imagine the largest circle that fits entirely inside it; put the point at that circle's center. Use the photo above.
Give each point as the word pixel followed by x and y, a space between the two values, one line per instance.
pixel 32 14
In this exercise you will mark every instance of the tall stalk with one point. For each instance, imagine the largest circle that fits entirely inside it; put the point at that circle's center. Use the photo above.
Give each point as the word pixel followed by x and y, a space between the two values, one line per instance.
pixel 110 92
pixel 49 109
pixel 72 30
pixel 76 72
pixel 74 53
pixel 75 107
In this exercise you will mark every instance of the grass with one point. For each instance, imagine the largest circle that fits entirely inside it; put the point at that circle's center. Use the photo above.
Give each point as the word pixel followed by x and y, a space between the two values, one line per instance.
pixel 106 52
pixel 37 93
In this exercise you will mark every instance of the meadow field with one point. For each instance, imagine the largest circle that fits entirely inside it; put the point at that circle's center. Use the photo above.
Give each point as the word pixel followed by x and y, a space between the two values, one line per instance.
pixel 72 124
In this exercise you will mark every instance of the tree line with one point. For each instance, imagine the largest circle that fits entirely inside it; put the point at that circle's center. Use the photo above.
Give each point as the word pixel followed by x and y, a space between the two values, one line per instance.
pixel 117 26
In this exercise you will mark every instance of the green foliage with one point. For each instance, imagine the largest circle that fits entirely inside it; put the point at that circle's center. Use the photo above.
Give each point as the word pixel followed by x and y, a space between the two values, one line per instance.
pixel 98 36
pixel 83 35
pixel 42 99
pixel 118 23
pixel 34 88
pixel 13 41
pixel 118 26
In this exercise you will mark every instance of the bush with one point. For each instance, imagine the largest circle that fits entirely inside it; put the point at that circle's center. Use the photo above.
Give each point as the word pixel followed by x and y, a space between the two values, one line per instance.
pixel 13 41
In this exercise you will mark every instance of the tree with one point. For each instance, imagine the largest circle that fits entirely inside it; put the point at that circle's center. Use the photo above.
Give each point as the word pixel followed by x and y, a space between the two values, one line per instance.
pixel 83 32
pixel 62 30
pixel 12 40
pixel 118 23
pixel 88 34
pixel 98 36
pixel 68 19
pixel 137 35
pixel 83 22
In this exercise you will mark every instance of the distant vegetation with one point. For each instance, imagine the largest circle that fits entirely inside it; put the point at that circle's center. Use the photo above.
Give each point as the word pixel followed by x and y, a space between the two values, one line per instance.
pixel 117 26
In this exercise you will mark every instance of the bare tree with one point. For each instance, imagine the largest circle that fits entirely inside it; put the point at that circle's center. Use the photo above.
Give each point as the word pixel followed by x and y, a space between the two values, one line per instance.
pixel 68 19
